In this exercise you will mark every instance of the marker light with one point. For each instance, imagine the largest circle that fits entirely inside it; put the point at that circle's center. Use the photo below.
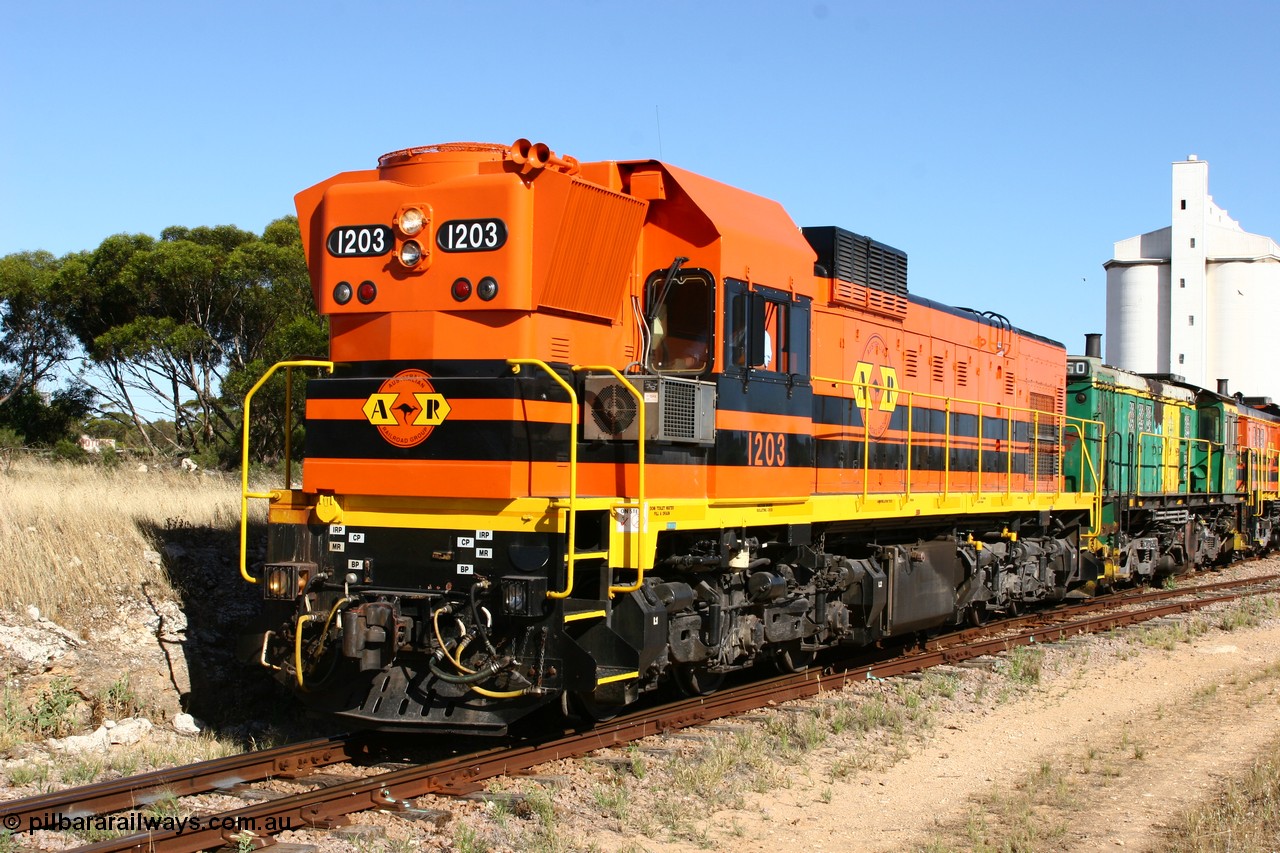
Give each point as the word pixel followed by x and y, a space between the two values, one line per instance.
pixel 366 292
pixel 488 288
pixel 461 289
pixel 342 293
pixel 411 221
pixel 410 253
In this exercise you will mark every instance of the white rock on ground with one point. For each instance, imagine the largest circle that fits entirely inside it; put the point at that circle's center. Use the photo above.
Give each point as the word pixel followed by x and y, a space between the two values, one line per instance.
pixel 36 648
pixel 123 733
pixel 187 725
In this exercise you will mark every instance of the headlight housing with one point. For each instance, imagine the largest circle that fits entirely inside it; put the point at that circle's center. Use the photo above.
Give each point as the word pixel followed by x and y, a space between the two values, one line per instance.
pixel 286 581
pixel 523 595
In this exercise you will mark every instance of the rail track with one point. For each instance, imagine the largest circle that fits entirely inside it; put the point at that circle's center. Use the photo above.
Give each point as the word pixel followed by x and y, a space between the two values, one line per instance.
pixel 329 806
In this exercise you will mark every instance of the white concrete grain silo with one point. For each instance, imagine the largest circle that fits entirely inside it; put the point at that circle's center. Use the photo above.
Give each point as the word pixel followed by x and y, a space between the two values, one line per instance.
pixel 1200 298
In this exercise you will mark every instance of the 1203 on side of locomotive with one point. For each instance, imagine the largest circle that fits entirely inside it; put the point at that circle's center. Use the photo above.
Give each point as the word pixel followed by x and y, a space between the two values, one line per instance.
pixel 589 429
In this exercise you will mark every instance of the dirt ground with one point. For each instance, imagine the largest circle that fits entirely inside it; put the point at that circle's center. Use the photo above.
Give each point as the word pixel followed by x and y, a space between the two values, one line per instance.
pixel 1187 712
pixel 1123 733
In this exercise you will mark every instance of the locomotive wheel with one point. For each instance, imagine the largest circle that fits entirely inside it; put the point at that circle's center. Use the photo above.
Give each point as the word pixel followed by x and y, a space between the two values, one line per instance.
pixel 791 658
pixel 696 680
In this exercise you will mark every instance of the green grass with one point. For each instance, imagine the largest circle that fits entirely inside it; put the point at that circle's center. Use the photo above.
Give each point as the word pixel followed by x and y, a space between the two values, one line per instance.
pixel 1023 665
pixel 52 714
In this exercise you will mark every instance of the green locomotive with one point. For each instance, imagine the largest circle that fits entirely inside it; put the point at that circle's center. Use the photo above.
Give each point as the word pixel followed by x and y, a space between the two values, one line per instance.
pixel 1189 475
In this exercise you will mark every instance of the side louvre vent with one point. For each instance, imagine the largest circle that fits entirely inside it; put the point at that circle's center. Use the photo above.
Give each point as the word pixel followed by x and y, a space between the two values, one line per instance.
pixel 559 349
pixel 912 358
pixel 939 369
pixel 962 373
pixel 865 274
pixel 1010 383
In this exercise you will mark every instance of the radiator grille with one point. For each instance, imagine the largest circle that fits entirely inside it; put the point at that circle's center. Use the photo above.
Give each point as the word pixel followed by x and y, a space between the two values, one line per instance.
pixel 1046 434
pixel 865 274
pixel 680 411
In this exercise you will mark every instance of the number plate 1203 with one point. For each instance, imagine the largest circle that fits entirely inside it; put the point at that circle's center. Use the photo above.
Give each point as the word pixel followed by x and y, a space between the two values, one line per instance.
pixel 471 235
pixel 360 241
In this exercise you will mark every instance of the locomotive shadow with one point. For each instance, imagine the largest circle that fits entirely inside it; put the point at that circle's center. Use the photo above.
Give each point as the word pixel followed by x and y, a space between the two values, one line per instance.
pixel 236 700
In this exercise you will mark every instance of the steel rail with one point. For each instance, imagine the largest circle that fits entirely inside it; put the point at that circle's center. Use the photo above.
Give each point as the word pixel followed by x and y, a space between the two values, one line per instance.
pixel 101 798
pixel 329 807
pixel 1125 598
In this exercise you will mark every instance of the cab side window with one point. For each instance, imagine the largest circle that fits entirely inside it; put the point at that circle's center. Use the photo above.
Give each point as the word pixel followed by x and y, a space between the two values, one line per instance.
pixel 766 331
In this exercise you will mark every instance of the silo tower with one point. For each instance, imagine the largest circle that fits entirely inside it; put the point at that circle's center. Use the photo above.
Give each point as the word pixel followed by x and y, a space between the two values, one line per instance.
pixel 1199 298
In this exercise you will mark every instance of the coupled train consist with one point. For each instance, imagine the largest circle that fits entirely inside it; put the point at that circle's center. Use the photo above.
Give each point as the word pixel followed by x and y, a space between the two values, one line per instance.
pixel 587 430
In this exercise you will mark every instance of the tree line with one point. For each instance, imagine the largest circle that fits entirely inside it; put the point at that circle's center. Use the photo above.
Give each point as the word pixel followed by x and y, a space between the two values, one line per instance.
pixel 154 341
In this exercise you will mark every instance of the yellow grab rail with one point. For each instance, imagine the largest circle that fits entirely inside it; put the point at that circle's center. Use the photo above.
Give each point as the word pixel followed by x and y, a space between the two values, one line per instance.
pixel 1165 467
pixel 245 494
pixel 642 511
pixel 573 467
pixel 1095 522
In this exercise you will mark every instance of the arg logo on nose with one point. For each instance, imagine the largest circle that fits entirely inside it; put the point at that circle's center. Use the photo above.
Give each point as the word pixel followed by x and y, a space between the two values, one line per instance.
pixel 406 408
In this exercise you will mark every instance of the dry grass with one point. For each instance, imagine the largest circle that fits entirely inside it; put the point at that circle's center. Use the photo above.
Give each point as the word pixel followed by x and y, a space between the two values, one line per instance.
pixel 74 536
pixel 1245 816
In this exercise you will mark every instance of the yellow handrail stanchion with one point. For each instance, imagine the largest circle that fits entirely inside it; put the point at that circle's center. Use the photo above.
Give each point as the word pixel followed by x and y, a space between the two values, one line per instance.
pixel 910 436
pixel 979 489
pixel 642 512
pixel 573 466
pixel 245 494
pixel 1035 454
pixel 946 455
pixel 1008 452
pixel 866 440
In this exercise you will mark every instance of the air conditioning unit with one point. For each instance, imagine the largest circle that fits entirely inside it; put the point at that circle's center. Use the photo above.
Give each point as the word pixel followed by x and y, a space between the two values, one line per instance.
pixel 676 410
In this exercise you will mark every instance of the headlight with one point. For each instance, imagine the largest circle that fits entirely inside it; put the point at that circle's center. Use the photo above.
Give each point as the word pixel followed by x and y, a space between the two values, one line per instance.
pixel 286 581
pixel 411 221
pixel 410 253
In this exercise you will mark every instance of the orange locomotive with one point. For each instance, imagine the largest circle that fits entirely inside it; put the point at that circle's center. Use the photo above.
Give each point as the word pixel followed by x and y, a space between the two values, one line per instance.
pixel 594 428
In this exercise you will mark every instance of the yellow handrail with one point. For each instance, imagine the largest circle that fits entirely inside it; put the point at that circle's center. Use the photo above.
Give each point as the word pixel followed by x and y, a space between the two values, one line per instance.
pixel 1095 522
pixel 245 494
pixel 1165 466
pixel 642 511
pixel 572 469
pixel 862 397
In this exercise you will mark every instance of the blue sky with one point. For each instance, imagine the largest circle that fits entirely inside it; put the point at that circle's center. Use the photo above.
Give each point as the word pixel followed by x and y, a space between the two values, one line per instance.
pixel 1003 145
